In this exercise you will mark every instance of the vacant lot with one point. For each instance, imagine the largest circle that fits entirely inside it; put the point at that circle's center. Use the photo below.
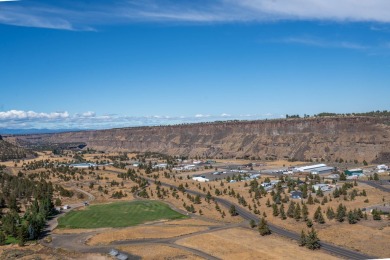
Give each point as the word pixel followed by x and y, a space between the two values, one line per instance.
pixel 239 243
pixel 158 252
pixel 119 214
pixel 143 232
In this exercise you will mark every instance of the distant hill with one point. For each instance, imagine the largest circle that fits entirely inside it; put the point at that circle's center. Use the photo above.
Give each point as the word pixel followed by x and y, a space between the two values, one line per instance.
pixel 317 138
pixel 6 131
pixel 9 151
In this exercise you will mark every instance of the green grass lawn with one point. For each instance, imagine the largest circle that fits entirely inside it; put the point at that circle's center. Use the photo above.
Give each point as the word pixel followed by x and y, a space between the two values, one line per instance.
pixel 118 214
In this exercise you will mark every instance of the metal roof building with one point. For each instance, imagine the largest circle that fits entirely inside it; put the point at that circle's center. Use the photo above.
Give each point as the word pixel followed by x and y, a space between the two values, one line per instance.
pixel 323 170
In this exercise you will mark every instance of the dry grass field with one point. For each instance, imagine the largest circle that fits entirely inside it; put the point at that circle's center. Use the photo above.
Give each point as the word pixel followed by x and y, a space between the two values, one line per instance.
pixel 143 232
pixel 369 236
pixel 149 252
pixel 239 243
pixel 37 251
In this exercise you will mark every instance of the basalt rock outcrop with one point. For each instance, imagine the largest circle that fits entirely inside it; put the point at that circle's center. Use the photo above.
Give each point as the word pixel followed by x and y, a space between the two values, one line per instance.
pixel 349 138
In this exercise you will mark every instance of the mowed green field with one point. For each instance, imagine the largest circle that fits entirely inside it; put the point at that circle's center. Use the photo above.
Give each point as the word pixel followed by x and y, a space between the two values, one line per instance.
pixel 118 214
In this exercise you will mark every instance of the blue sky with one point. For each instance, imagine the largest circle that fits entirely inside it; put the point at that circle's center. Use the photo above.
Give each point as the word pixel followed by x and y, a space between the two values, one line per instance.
pixel 101 64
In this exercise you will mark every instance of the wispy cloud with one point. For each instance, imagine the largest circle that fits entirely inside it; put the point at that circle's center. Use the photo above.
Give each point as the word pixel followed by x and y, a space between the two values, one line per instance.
pixel 318 42
pixel 19 119
pixel 84 15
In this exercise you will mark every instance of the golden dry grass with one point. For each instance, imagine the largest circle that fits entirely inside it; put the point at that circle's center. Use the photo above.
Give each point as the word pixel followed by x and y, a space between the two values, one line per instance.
pixel 158 252
pixel 37 251
pixel 143 232
pixel 372 241
pixel 75 231
pixel 239 243
pixel 192 222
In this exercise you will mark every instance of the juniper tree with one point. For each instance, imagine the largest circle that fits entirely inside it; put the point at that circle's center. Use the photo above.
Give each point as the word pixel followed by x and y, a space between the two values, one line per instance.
pixel 305 212
pixel 252 223
pixel 330 213
pixel 297 213
pixel 302 240
pixel 318 217
pixel 275 210
pixel 282 213
pixel 291 209
pixel 340 213
pixel 263 227
pixel 312 241
pixel 233 211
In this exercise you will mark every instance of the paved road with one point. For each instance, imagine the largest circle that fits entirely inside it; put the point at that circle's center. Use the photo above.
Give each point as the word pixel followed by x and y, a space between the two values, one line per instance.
pixel 377 184
pixel 52 223
pixel 336 250
pixel 77 242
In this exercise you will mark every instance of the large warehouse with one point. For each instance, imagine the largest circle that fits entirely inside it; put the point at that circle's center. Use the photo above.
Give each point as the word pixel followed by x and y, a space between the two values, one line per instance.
pixel 309 168
pixel 323 170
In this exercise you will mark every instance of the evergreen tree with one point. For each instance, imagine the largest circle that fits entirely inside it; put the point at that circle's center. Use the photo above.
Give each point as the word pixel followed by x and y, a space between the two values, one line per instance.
pixel 263 227
pixel 309 223
pixel 352 217
pixel 21 235
pixel 310 199
pixel 302 240
pixel 304 191
pixel 305 212
pixel 2 238
pixel 275 210
pixel 297 213
pixel 312 241
pixel 197 199
pixel 282 213
pixel 233 212
pixel 330 213
pixel 291 209
pixel 376 214
pixel 340 213
pixel 319 192
pixel 318 217
pixel 252 223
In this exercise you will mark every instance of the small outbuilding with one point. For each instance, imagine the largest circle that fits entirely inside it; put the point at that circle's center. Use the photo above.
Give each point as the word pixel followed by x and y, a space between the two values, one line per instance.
pixel 353 172
pixel 296 195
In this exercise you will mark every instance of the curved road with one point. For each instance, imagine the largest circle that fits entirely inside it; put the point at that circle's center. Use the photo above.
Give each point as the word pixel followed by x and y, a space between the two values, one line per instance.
pixel 333 249
pixel 77 242
pixel 376 184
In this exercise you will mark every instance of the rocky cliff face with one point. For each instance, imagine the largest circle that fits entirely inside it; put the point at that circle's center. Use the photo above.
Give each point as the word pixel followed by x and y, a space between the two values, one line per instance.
pixel 349 138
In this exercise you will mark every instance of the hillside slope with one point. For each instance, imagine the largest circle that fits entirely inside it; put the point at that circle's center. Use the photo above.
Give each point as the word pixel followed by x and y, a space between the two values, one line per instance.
pixel 349 138
pixel 9 151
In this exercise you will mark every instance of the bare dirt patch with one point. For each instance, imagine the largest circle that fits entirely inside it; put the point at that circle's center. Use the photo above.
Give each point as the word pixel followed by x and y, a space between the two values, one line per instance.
pixel 239 243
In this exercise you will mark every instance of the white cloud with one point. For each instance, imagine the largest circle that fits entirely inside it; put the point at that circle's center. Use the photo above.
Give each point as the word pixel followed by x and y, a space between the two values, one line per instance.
pixel 341 10
pixel 89 114
pixel 83 15
pixel 19 119
pixel 317 42
pixel 201 116
pixel 27 115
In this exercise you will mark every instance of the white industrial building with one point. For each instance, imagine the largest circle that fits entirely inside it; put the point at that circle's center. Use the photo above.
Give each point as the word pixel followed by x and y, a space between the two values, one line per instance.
pixel 309 167
pixel 323 170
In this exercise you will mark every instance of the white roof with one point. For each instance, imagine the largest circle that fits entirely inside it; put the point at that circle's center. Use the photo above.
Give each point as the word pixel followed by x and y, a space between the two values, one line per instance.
pixel 310 167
